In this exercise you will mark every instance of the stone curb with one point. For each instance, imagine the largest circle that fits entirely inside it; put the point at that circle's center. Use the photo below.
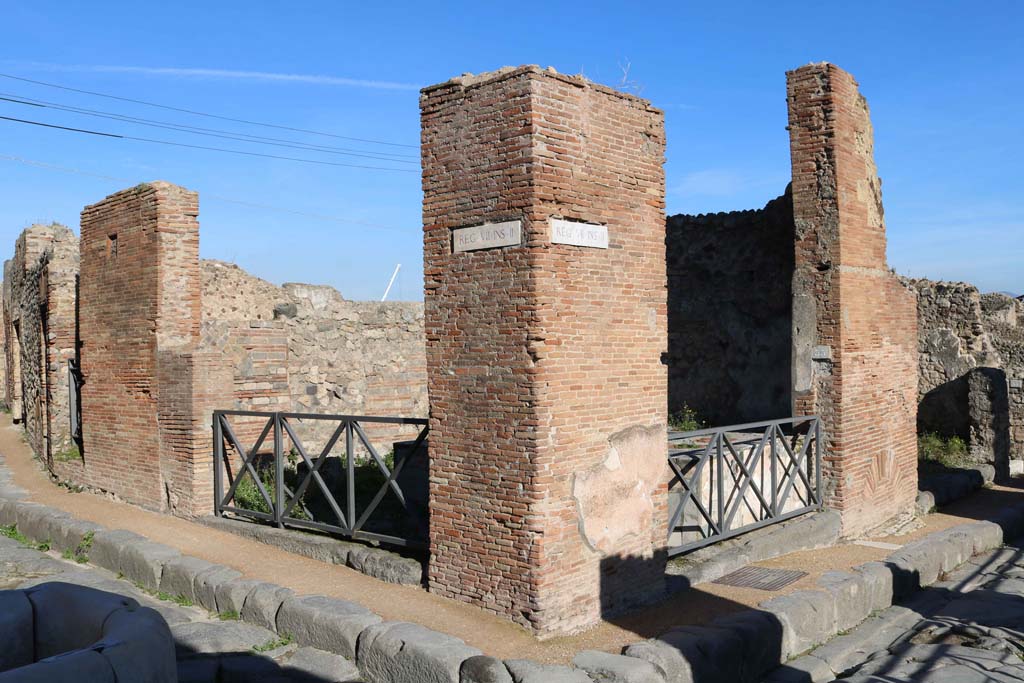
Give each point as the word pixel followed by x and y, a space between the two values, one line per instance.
pixel 384 651
pixel 749 645
pixel 941 488
pixel 740 647
pixel 808 532
pixel 379 563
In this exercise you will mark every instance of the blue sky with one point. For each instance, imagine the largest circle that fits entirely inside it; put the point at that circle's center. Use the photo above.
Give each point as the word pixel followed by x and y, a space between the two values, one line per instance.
pixel 943 80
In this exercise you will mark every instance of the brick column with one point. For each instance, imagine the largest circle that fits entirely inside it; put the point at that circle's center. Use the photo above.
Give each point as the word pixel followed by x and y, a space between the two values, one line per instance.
pixel 147 393
pixel 854 323
pixel 544 341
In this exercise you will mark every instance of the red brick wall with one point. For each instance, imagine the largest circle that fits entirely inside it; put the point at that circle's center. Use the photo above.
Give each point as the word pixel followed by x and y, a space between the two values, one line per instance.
pixel 544 369
pixel 855 324
pixel 145 398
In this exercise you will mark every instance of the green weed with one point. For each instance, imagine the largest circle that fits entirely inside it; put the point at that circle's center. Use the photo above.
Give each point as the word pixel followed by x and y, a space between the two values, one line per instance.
pixel 280 641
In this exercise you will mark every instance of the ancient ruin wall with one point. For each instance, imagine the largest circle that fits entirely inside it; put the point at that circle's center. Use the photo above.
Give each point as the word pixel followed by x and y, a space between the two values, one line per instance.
pixel 343 357
pixel 963 333
pixel 39 324
pixel 730 280
pixel 854 323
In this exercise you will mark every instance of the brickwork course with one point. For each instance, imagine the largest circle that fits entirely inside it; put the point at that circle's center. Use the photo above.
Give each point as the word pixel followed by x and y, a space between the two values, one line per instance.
pixel 167 338
pixel 548 484
pixel 854 322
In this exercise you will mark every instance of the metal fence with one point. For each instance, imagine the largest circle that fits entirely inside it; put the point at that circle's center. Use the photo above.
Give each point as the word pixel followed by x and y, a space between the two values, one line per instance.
pixel 362 499
pixel 729 480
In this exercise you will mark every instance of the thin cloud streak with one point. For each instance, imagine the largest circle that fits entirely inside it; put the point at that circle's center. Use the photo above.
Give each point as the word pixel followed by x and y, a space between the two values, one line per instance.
pixel 223 74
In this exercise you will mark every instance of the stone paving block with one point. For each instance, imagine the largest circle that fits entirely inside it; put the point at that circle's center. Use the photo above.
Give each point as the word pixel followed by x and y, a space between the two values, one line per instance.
pixel 8 512
pixel 179 575
pixel 807 617
pixel 17 624
pixel 761 635
pixel 107 546
pixel 204 637
pixel 399 652
pixel 45 526
pixel 525 671
pixel 806 669
pixel 386 566
pixel 206 584
pixel 325 623
pixel 606 667
pixel 694 653
pixel 143 563
pixel 877 577
pixel 263 602
pixel 25 515
pixel 231 595
pixel 309 664
pixel 484 669
pixel 850 596
pixel 70 532
pixel 987 535
pixel 669 653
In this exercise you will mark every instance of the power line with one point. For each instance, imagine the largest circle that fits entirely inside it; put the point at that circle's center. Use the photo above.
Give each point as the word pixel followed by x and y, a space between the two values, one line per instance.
pixel 199 113
pixel 204 195
pixel 203 147
pixel 210 132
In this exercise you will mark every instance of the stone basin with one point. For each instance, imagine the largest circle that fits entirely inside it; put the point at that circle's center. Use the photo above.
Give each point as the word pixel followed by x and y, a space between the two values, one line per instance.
pixel 57 632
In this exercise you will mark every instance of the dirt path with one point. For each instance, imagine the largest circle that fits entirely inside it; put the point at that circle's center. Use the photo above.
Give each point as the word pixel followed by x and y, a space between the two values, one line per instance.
pixel 491 634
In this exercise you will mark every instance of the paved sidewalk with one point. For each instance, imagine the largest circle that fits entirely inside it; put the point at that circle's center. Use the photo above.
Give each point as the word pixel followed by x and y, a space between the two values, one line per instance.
pixel 489 633
pixel 208 649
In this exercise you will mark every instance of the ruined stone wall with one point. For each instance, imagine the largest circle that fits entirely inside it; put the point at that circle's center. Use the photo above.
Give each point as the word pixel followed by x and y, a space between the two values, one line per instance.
pixel 855 358
pixel 343 357
pixel 964 334
pixel 729 306
pixel 39 324
pixel 544 360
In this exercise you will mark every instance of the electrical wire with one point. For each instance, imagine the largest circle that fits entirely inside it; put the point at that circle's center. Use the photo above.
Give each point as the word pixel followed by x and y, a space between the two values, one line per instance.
pixel 207 115
pixel 210 132
pixel 204 195
pixel 203 147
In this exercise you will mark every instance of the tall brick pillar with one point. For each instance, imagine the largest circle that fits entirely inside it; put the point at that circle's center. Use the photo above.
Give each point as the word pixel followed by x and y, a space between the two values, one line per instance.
pixel 545 311
pixel 148 393
pixel 854 324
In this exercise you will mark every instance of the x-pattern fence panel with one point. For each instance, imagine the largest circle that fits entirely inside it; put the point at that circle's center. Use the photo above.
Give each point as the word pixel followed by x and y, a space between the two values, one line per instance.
pixel 362 498
pixel 729 480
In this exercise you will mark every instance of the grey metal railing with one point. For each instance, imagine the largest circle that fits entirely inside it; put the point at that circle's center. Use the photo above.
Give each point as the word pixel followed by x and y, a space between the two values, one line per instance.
pixel 734 479
pixel 284 503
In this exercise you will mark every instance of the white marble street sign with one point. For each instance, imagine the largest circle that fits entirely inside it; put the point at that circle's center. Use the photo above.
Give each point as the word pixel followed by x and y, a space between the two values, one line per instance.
pixel 579 234
pixel 486 236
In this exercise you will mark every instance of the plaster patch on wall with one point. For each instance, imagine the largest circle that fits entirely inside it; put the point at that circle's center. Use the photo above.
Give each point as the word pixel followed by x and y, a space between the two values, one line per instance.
pixel 614 498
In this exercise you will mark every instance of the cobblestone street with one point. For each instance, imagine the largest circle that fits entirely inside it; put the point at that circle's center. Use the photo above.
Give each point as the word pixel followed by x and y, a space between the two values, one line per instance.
pixel 968 628
pixel 209 649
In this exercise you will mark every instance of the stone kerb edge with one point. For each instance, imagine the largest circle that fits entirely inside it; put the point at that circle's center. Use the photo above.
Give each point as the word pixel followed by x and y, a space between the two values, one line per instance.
pixel 676 656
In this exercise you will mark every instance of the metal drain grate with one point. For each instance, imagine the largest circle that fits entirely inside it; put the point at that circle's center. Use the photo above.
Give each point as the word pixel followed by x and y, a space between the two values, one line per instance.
pixel 761 578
